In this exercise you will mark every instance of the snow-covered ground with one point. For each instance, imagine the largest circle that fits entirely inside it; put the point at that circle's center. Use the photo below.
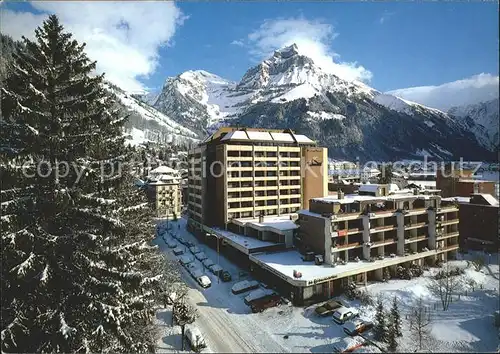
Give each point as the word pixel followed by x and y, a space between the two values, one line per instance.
pixel 229 325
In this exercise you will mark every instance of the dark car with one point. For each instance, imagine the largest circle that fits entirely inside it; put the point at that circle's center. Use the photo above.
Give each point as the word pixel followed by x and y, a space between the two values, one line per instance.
pixel 328 308
pixel 266 302
pixel 225 276
pixel 189 244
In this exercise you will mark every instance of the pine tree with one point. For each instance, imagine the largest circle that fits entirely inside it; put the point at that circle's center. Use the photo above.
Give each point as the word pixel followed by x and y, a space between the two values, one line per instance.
pixel 75 277
pixel 380 328
pixel 395 318
pixel 391 337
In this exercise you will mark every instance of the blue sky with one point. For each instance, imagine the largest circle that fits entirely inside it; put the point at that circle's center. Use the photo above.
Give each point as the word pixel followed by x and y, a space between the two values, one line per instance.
pixel 397 44
pixel 415 44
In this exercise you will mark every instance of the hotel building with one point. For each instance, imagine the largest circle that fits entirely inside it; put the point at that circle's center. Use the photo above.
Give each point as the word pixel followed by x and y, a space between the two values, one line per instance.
pixel 237 175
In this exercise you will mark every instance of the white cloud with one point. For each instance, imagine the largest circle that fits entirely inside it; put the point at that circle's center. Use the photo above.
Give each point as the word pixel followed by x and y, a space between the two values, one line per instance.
pixel 387 15
pixel 313 38
pixel 238 43
pixel 124 37
pixel 475 89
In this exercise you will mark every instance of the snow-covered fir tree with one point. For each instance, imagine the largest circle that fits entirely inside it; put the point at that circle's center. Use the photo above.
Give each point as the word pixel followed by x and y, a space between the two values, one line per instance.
pixel 380 328
pixel 395 318
pixel 78 272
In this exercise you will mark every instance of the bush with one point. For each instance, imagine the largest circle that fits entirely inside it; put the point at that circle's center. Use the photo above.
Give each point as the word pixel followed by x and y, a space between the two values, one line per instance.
pixel 478 263
pixel 351 291
pixel 365 298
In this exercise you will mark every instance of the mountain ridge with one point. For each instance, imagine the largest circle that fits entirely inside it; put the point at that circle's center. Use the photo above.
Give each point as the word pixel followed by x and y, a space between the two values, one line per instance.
pixel 288 90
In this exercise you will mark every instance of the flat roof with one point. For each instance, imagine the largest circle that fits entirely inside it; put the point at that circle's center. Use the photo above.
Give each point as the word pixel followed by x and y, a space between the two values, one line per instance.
pixel 276 224
pixel 283 264
pixel 353 198
pixel 265 136
pixel 243 243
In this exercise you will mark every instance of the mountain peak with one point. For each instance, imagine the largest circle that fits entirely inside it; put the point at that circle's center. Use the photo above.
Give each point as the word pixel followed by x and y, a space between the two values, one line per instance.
pixel 287 52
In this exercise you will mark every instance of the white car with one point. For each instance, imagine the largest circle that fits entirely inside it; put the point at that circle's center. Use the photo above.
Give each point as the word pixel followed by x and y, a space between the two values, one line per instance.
pixel 204 281
pixel 195 338
pixel 344 314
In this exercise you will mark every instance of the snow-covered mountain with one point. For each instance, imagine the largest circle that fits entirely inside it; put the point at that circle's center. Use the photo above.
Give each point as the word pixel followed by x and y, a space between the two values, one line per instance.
pixel 146 124
pixel 482 119
pixel 288 90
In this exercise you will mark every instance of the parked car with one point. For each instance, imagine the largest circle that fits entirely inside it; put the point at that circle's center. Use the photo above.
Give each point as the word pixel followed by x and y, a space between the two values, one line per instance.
pixel 348 344
pixel 201 256
pixel 194 249
pixel 172 244
pixel 208 262
pixel 185 259
pixel 195 338
pixel 225 276
pixel 178 251
pixel 266 302
pixel 204 281
pixel 344 314
pixel 215 269
pixel 190 267
pixel 181 240
pixel 190 244
pixel 243 286
pixel 258 294
pixel 328 308
pixel 357 326
pixel 197 272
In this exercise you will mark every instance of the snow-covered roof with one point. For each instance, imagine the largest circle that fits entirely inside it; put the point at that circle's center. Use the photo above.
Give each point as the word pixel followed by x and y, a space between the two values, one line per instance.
pixel 285 263
pixel 162 170
pixel 353 198
pixel 252 135
pixel 282 137
pixel 243 243
pixel 259 136
pixel 489 198
pixel 277 224
pixel 370 188
pixel 456 199
pixel 302 139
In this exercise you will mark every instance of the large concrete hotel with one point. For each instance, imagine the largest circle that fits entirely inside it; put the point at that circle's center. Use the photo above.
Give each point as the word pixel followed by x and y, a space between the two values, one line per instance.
pixel 266 199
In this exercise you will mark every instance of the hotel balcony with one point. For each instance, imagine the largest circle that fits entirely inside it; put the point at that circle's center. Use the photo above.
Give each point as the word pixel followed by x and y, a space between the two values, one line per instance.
pixel 410 239
pixel 443 235
pixel 449 222
pixel 411 212
pixel 447 248
pixel 380 213
pixel 383 228
pixel 447 209
pixel 417 225
pixel 382 242
pixel 345 246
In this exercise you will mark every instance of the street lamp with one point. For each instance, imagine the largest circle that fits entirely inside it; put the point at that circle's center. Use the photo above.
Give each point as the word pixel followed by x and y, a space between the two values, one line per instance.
pixel 218 252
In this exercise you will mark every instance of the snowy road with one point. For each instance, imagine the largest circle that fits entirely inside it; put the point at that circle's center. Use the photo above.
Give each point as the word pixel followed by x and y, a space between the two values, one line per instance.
pixel 224 319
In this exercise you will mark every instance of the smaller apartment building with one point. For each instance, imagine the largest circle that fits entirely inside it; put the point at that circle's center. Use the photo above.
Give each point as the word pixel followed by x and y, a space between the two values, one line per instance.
pixel 164 191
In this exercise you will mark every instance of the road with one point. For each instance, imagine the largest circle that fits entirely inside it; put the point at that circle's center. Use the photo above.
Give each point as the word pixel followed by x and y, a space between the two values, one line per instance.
pixel 224 319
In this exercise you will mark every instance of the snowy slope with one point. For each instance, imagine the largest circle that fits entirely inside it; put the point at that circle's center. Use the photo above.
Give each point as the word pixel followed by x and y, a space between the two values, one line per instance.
pixel 482 119
pixel 147 124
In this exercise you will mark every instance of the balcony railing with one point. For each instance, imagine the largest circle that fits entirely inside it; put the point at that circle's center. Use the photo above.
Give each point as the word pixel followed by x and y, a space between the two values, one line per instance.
pixel 416 225
pixel 347 245
pixel 415 238
pixel 450 222
pixel 448 248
